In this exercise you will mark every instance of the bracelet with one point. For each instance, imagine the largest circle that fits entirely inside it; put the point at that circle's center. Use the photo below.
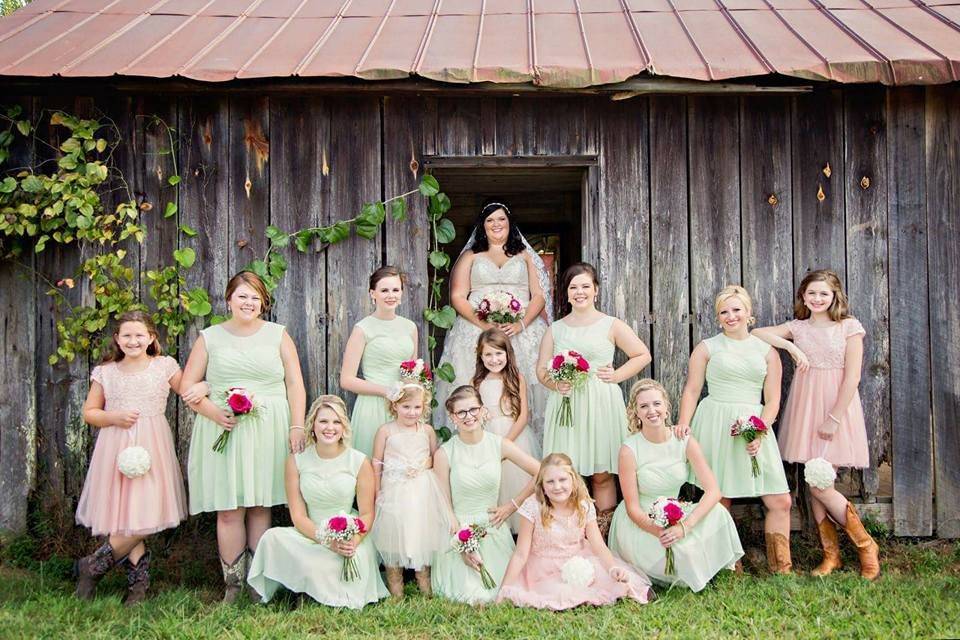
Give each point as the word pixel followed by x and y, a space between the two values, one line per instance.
pixel 834 418
pixel 514 503
pixel 523 325
pixel 682 528
pixel 296 426
pixel 317 535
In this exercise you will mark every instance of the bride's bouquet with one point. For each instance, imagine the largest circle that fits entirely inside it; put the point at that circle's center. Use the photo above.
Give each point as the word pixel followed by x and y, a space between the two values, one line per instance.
pixel 500 307
pixel 571 367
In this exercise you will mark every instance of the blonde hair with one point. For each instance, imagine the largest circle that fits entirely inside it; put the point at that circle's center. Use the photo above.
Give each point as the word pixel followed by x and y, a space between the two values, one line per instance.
pixel 579 496
pixel 735 291
pixel 839 308
pixel 407 391
pixel 335 404
pixel 646 384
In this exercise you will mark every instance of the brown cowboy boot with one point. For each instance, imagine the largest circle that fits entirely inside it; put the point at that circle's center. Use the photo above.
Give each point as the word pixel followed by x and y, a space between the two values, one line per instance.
pixel 778 553
pixel 423 581
pixel 604 519
pixel 831 548
pixel 395 581
pixel 234 576
pixel 138 579
pixel 867 548
pixel 91 568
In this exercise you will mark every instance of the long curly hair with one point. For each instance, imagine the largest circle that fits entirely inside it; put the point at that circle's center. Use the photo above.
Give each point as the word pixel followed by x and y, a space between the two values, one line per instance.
pixel 335 404
pixel 839 308
pixel 510 399
pixel 514 243
pixel 579 496
pixel 114 353
pixel 646 384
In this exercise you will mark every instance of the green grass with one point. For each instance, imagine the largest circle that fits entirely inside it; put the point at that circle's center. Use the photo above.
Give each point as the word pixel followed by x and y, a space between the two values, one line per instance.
pixel 917 596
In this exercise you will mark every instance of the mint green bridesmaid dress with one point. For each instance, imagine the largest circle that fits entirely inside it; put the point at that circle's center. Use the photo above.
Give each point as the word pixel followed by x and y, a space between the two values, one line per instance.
pixel 474 487
pixel 249 471
pixel 285 557
pixel 735 375
pixel 387 344
pixel 599 413
pixel 709 547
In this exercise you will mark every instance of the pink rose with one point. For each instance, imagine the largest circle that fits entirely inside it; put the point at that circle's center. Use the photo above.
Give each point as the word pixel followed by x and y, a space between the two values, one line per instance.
pixel 573 354
pixel 557 362
pixel 464 534
pixel 426 372
pixel 673 512
pixel 758 424
pixel 515 305
pixel 582 364
pixel 337 523
pixel 239 403
pixel 362 528
pixel 408 365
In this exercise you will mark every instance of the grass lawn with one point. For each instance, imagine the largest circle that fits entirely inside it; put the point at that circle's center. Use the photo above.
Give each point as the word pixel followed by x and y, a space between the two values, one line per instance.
pixel 917 596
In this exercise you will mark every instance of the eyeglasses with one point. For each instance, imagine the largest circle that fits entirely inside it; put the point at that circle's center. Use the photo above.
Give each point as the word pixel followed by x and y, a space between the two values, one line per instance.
pixel 473 412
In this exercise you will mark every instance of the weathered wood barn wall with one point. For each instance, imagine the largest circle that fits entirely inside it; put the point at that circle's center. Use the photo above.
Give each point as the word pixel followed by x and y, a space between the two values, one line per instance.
pixel 682 195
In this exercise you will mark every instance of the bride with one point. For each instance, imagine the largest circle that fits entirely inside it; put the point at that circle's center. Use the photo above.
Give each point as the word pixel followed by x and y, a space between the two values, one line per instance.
pixel 497 258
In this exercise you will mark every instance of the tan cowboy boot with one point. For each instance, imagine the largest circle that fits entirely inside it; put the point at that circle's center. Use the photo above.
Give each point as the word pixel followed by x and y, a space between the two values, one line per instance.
pixel 423 581
pixel 778 553
pixel 395 581
pixel 831 548
pixel 867 548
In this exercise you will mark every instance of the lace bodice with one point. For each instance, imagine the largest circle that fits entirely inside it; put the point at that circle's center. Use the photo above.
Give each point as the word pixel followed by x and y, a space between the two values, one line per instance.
pixel 563 538
pixel 824 346
pixel 406 453
pixel 486 277
pixel 145 391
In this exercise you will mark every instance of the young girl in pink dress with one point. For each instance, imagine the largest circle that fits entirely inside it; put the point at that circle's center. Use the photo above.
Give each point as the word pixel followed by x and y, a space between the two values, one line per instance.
pixel 126 402
pixel 823 417
pixel 561 560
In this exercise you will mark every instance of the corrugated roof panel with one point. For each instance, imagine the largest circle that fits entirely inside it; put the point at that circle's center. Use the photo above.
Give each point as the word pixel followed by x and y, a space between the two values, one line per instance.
pixel 694 5
pixel 121 7
pixel 340 53
pixel 460 7
pixel 121 49
pixel 449 55
pixel 59 52
pixel 781 47
pixel 725 51
pixel 600 6
pixel 506 6
pixel 165 60
pixel 554 6
pixel 226 8
pixel 368 8
pixel 671 51
pixel 285 9
pixel 648 5
pixel 35 38
pixel 616 54
pixel 231 49
pixel 394 50
pixel 504 52
pixel 950 13
pixel 733 5
pixel 289 47
pixel 41 6
pixel 849 61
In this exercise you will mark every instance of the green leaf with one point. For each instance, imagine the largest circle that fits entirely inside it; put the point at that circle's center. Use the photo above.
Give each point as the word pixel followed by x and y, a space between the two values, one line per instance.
pixel 170 210
pixel 445 372
pixel 23 127
pixel 217 319
pixel 446 232
pixel 173 181
pixel 30 184
pixel 277 237
pixel 70 145
pixel 444 434
pixel 371 214
pixel 429 186
pixel 439 259
pixel 259 267
pixel 439 205
pixel 185 257
pixel 9 185
pixel 101 145
pixel 398 210
pixel 277 265
pixel 338 232
pixel 190 232
pixel 367 230
pixel 303 240
pixel 198 302
pixel 445 317
pixel 431 343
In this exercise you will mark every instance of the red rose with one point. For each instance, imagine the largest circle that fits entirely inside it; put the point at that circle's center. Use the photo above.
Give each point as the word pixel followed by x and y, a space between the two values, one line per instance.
pixel 239 403
pixel 426 372
pixel 573 354
pixel 557 362
pixel 758 424
pixel 582 364
pixel 362 528
pixel 464 534
pixel 408 365
pixel 673 512
pixel 338 524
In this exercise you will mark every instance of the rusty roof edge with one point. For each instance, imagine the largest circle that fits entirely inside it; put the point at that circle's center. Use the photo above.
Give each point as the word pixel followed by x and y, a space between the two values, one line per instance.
pixel 693 42
pixel 637 38
pixel 586 44
pixel 476 48
pixel 814 50
pixel 953 75
pixel 754 49
pixel 217 40
pixel 322 40
pixel 427 36
pixel 532 43
pixel 373 40
pixel 163 40
pixel 856 37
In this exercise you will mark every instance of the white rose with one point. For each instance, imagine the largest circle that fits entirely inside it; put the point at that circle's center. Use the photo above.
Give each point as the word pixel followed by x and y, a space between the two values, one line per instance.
pixel 819 473
pixel 133 462
pixel 577 572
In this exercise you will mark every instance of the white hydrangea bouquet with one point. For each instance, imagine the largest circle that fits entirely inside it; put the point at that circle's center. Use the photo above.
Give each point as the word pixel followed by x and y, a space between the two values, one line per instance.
pixel 134 461
pixel 578 572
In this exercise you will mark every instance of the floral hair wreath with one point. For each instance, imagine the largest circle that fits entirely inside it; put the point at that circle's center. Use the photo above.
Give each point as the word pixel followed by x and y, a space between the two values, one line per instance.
pixel 396 390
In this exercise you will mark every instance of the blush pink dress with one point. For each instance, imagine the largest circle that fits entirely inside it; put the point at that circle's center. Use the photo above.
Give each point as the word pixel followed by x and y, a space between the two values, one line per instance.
pixel 812 394
pixel 112 503
pixel 540 584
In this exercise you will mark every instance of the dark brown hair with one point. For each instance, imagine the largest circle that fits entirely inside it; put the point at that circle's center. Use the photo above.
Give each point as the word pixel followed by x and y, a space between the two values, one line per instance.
pixel 571 272
pixel 839 308
pixel 387 271
pixel 513 244
pixel 253 281
pixel 115 353
pixel 460 393
pixel 511 375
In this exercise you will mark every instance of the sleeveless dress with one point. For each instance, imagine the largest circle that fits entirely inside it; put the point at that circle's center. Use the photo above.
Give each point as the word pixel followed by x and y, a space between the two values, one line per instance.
pixel 540 584
pixel 812 394
pixel 249 471
pixel 599 414
pixel 712 545
pixel 460 344
pixel 387 343
pixel 512 478
pixel 735 375
pixel 474 487
pixel 112 503
pixel 412 523
pixel 287 558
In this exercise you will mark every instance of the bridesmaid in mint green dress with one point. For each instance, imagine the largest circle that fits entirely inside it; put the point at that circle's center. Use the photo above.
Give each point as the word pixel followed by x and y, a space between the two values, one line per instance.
pixel 468 468
pixel 324 481
pixel 740 368
pixel 378 344
pixel 599 415
pixel 244 480
pixel 653 464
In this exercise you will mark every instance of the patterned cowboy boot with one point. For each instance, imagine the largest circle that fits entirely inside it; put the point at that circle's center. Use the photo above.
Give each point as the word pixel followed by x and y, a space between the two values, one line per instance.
pixel 867 548
pixel 234 575
pixel 423 581
pixel 778 553
pixel 91 568
pixel 395 581
pixel 831 548
pixel 138 579
pixel 604 518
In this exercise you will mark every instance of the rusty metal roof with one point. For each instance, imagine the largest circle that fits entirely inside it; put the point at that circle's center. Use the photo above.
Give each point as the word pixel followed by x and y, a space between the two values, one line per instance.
pixel 558 43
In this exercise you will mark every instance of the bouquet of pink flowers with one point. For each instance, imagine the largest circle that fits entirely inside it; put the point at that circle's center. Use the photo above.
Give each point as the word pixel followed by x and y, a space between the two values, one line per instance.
pixel 666 512
pixel 467 540
pixel 240 403
pixel 750 429
pixel 342 528
pixel 500 308
pixel 571 367
pixel 417 371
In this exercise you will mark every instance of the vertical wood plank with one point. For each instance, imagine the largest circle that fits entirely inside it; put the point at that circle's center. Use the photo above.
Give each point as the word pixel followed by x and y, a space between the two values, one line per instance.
pixel 943 218
pixel 249 192
pixel 865 188
pixel 624 247
pixel 355 174
pixel 158 164
pixel 460 127
pixel 204 130
pixel 299 130
pixel 516 126
pixel 669 231
pixel 407 242
pixel 909 325
pixel 714 205
pixel 488 125
pixel 818 198
pixel 561 126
